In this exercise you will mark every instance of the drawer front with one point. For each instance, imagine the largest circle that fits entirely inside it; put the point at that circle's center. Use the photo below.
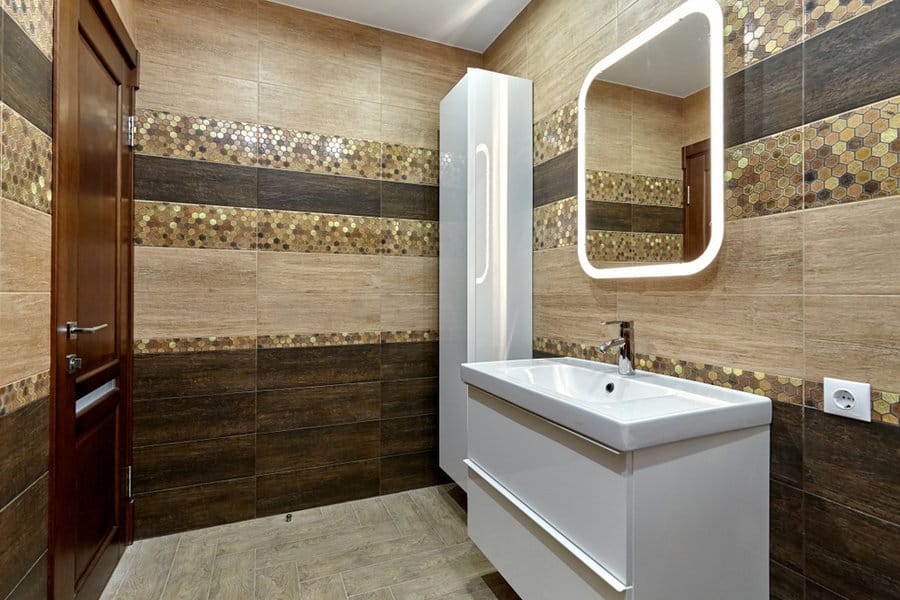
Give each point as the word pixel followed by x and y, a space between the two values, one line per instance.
pixel 533 563
pixel 578 487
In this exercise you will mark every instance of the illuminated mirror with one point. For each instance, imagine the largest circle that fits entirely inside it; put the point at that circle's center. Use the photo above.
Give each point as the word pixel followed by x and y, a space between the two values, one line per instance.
pixel 650 151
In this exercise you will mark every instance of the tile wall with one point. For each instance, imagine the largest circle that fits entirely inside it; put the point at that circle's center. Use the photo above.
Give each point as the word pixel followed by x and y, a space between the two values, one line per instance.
pixel 805 285
pixel 286 264
pixel 26 48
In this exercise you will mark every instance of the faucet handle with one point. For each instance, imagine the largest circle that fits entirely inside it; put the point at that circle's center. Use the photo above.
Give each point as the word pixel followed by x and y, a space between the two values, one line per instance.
pixel 623 324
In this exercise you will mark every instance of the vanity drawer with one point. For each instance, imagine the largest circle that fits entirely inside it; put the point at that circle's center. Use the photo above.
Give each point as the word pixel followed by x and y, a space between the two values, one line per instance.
pixel 535 564
pixel 580 488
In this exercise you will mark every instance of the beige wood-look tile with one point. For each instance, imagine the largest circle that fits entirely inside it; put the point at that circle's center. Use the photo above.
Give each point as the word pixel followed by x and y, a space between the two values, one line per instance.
pixel 325 588
pixel 422 576
pixel 24 248
pixel 696 117
pixel 657 134
pixel 148 568
pixel 418 74
pixel 476 589
pixel 366 553
pixel 410 126
pixel 852 248
pixel 204 36
pixel 589 16
pixel 550 36
pixel 324 545
pixel 561 82
pixel 763 333
pixel 854 337
pixel 308 109
pixel 185 90
pixel 122 571
pixel 410 274
pixel 191 571
pixel 556 271
pixel 278 583
pixel 638 16
pixel 233 577
pixel 194 293
pixel 406 513
pixel 343 297
pixel 609 127
pixel 303 50
pixel 509 52
pixel 409 312
pixel 442 513
pixel 24 335
pixel 371 511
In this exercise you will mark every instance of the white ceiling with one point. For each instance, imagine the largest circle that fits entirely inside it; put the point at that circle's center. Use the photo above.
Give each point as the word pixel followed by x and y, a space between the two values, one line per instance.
pixel 469 24
pixel 676 62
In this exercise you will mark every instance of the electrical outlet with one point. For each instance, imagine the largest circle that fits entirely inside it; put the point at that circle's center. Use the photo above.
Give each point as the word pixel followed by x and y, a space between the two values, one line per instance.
pixel 849 399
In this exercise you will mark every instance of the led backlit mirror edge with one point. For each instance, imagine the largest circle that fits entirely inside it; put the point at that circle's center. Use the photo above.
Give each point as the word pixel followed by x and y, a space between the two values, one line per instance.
pixel 713 13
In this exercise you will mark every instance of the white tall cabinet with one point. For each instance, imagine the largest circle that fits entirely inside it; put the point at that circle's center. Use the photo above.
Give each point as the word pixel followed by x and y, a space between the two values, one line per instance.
pixel 485 240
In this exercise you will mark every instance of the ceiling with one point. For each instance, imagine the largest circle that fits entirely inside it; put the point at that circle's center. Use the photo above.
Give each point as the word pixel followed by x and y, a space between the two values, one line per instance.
pixel 469 24
pixel 676 62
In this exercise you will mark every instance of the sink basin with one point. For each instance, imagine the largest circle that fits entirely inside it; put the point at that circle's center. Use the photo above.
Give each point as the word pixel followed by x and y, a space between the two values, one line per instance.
pixel 623 412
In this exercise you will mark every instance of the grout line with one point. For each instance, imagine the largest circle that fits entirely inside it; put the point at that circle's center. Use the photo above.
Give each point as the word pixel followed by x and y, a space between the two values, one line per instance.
pixel 343 584
pixel 171 567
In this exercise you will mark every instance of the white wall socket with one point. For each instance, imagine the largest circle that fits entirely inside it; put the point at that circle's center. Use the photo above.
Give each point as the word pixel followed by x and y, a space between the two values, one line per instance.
pixel 849 399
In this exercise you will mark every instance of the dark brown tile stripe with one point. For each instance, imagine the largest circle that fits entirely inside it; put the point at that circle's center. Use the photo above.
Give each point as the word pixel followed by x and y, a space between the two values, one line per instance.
pixel 34 585
pixel 409 361
pixel 410 471
pixel 23 529
pixel 611 216
pixel 556 179
pixel 863 51
pixel 171 511
pixel 312 447
pixel 163 179
pixel 27 84
pixel 784 583
pixel 409 201
pixel 168 420
pixel 196 462
pixel 24 448
pixel 311 192
pixel 786 449
pixel 786 525
pixel 299 367
pixel 297 490
pixel 657 219
pixel 850 552
pixel 279 410
pixel 408 435
pixel 194 374
pixel 409 397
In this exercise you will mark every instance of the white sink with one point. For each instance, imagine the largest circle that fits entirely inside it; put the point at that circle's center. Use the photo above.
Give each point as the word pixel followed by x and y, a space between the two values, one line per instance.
pixel 623 412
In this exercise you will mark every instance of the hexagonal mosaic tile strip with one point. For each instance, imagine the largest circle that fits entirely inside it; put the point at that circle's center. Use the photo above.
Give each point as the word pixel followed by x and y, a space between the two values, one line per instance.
pixel 764 177
pixel 168 225
pixel 853 156
pixel 555 225
pixel 822 15
pixel 35 17
pixel 757 29
pixel 556 133
pixel 27 161
pixel 21 393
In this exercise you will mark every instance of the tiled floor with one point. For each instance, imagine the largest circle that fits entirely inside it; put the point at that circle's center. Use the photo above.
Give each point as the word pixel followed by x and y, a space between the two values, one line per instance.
pixel 404 546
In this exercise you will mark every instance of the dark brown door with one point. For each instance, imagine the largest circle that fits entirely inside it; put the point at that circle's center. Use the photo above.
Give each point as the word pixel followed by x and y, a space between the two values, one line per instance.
pixel 697 223
pixel 91 509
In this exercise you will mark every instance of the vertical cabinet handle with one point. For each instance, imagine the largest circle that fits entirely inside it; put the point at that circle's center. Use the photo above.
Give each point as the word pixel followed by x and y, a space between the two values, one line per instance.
pixel 483 150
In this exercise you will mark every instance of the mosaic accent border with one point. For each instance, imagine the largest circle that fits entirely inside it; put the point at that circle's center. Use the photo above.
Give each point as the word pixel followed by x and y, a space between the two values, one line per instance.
pixel 822 15
pixel 166 225
pixel 555 225
pixel 608 186
pixel 657 191
pixel 35 17
pixel 286 231
pixel 21 393
pixel 408 237
pixel 853 156
pixel 780 388
pixel 634 247
pixel 556 133
pixel 764 177
pixel 758 29
pixel 410 165
pixel 194 344
pixel 161 133
pixel 407 337
pixel 317 340
pixel 317 153
pixel 27 162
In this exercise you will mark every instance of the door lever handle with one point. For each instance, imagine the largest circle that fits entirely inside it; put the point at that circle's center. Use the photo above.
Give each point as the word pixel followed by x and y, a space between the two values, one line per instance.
pixel 72 329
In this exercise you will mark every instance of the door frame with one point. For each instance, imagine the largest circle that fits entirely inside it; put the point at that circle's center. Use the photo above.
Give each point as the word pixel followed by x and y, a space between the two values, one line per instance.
pixel 61 525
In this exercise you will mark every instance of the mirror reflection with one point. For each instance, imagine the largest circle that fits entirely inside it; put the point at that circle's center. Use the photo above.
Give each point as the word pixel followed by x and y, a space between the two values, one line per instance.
pixel 647 175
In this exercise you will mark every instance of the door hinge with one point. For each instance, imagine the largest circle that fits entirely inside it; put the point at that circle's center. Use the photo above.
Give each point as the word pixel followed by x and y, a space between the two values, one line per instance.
pixel 129 131
pixel 128 482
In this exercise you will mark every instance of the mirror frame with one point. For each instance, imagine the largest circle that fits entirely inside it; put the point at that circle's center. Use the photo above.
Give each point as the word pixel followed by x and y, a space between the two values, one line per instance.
pixel 713 13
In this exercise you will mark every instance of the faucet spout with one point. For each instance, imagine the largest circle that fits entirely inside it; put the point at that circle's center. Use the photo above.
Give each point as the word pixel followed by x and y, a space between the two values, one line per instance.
pixel 616 343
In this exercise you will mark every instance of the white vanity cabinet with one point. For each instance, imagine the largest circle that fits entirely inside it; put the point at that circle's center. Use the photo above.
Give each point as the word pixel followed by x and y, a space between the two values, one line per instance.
pixel 563 516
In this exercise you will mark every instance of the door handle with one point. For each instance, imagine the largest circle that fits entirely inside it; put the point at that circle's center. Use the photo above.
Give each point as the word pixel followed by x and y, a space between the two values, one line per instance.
pixel 72 329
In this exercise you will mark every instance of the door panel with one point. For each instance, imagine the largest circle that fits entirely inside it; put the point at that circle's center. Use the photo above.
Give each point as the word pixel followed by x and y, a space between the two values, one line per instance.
pixel 91 512
pixel 697 224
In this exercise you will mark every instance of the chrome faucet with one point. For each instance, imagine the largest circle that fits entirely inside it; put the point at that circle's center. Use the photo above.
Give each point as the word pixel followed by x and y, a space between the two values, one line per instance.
pixel 625 344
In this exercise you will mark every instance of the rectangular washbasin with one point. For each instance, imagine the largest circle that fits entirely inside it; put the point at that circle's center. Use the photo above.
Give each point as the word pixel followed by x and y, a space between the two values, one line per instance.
pixel 623 412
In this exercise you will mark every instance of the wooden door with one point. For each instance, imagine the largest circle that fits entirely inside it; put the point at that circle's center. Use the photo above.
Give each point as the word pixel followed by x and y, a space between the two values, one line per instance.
pixel 697 223
pixel 91 510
